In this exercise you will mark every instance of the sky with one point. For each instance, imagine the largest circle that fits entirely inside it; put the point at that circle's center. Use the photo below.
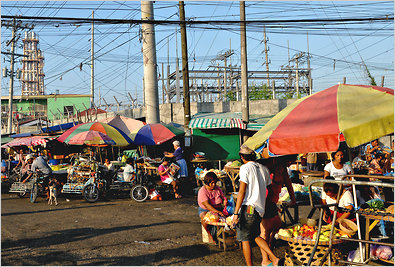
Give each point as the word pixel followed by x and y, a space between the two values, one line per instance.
pixel 337 50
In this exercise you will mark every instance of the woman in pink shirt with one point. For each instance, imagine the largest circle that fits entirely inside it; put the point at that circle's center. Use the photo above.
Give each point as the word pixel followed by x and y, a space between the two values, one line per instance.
pixel 210 198
pixel 166 178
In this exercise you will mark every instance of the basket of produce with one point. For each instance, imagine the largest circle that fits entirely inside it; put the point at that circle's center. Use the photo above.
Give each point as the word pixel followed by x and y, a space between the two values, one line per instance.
pixel 301 240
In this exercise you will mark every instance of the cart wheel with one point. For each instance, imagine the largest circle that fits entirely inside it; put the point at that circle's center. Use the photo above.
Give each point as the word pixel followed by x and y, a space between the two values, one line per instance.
pixel 139 193
pixel 22 194
pixel 91 193
pixel 34 193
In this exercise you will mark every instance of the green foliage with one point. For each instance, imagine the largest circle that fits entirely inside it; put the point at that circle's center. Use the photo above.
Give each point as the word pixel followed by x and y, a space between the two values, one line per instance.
pixel 372 80
pixel 259 92
pixel 231 96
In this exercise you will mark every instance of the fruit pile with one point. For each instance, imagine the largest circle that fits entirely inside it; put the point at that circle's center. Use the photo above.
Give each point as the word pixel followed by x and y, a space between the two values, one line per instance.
pixel 309 233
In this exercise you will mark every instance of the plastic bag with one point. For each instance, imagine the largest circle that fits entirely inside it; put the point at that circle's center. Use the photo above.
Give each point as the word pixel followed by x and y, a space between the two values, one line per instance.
pixel 154 195
pixel 230 207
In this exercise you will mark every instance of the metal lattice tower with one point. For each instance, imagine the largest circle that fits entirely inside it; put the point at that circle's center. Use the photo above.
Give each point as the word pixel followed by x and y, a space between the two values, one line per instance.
pixel 33 66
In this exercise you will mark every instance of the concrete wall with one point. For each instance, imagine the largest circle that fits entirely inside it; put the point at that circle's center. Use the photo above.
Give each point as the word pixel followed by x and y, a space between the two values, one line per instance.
pixel 174 112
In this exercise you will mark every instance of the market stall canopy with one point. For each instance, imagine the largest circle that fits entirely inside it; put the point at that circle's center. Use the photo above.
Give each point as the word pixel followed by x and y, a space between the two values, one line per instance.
pixel 125 124
pixel 314 123
pixel 227 120
pixel 120 138
pixel 30 141
pixel 155 134
pixel 59 127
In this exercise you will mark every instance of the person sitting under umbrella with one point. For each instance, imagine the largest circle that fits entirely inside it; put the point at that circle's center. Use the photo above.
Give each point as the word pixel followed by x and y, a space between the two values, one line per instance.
pixel 346 202
pixel 128 172
pixel 178 154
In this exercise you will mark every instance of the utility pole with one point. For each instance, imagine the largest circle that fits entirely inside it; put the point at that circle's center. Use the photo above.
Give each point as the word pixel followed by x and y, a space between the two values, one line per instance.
pixel 11 90
pixel 308 67
pixel 150 65
pixel 244 70
pixel 297 76
pixel 185 70
pixel 92 64
pixel 178 98
pixel 266 57
pixel 168 73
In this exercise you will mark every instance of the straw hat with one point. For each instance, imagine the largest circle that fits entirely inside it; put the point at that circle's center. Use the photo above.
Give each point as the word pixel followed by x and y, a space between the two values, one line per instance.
pixel 246 150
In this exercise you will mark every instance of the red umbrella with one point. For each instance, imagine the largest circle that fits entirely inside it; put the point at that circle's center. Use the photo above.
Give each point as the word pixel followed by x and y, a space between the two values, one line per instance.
pixel 315 123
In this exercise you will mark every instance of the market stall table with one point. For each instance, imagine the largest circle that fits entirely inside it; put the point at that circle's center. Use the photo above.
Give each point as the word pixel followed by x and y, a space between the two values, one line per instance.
pixel 233 174
pixel 224 237
pixel 150 170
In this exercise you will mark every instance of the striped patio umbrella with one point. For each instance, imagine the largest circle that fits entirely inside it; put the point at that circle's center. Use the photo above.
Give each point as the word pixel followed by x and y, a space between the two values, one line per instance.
pixel 91 138
pixel 155 134
pixel 119 137
pixel 315 123
pixel 29 141
pixel 125 124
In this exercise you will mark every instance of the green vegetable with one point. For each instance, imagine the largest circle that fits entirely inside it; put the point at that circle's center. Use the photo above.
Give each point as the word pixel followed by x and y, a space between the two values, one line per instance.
pixel 376 204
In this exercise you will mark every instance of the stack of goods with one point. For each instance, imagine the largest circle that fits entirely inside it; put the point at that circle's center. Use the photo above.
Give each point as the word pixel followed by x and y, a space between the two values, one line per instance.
pixel 199 156
pixel 301 193
pixel 211 217
pixel 233 164
pixel 309 233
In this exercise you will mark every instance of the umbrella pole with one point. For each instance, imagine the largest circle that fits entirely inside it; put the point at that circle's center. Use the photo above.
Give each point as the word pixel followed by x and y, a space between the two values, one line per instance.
pixel 356 204
pixel 112 150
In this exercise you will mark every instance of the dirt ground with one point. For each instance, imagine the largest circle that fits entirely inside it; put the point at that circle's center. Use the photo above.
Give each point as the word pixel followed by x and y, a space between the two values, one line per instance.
pixel 109 232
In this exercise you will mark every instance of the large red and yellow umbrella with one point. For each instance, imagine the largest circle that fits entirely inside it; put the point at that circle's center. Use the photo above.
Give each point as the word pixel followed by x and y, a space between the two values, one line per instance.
pixel 316 123
pixel 119 137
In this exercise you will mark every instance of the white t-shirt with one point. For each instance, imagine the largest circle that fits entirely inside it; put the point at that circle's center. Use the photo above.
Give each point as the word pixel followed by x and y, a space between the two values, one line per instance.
pixel 338 174
pixel 344 201
pixel 257 178
pixel 128 172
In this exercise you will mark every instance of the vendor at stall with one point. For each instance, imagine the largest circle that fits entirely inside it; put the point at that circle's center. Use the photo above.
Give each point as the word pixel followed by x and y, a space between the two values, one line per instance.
pixel 210 198
pixel 337 168
pixel 345 202
pixel 178 154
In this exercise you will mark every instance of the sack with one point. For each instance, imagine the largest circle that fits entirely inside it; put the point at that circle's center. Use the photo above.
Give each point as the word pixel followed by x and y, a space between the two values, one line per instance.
pixel 154 195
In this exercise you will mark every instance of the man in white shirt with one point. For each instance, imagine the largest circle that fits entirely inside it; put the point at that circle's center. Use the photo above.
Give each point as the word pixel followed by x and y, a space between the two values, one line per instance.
pixel 250 206
pixel 128 171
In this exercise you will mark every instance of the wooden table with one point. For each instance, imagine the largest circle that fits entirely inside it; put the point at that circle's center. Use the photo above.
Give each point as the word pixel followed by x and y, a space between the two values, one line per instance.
pixel 148 169
pixel 224 237
pixel 233 174
pixel 369 227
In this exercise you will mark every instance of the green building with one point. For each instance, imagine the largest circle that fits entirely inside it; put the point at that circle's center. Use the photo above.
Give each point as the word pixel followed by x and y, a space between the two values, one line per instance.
pixel 46 107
